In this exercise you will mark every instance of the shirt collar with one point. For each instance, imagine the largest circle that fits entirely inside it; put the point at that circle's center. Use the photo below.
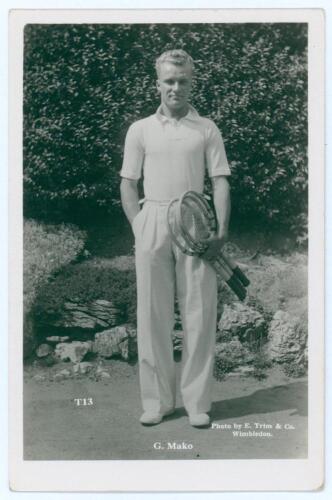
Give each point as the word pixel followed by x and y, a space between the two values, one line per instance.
pixel 192 115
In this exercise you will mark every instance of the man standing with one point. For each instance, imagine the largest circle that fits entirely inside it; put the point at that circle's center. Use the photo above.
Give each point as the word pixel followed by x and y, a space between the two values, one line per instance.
pixel 174 148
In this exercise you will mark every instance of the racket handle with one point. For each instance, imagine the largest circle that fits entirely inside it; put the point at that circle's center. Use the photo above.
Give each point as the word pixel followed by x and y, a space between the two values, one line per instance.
pixel 223 271
pixel 230 278
pixel 237 287
pixel 236 270
pixel 241 276
pixel 224 262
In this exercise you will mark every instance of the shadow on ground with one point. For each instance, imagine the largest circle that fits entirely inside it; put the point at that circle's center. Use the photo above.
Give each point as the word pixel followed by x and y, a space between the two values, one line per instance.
pixel 273 399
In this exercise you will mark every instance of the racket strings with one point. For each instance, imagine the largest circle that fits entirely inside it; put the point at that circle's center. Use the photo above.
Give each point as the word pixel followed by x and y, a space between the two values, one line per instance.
pixel 175 228
pixel 194 223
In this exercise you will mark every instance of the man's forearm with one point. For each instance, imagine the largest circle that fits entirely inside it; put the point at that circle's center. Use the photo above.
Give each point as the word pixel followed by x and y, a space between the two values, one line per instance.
pixel 129 198
pixel 222 204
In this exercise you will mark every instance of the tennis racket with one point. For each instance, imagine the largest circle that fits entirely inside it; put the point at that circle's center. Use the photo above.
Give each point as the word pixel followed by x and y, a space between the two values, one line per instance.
pixel 203 225
pixel 191 220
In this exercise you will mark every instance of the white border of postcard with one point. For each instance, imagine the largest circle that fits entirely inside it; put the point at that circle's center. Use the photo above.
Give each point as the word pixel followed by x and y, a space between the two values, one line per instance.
pixel 184 475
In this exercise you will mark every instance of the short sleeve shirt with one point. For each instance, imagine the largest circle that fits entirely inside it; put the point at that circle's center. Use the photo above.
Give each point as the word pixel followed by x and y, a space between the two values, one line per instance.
pixel 172 155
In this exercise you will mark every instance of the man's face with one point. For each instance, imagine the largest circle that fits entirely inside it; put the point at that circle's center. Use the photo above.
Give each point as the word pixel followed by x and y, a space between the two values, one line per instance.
pixel 174 85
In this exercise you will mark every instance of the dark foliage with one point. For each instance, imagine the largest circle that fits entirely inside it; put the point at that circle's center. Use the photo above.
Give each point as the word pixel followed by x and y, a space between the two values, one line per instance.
pixel 85 283
pixel 85 84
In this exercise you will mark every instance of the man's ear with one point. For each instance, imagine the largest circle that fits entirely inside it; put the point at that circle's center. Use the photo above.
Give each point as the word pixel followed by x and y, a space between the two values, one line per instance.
pixel 158 86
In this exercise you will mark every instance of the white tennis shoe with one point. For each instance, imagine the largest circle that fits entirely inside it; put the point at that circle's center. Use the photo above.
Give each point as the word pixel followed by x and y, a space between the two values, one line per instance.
pixel 199 419
pixel 154 418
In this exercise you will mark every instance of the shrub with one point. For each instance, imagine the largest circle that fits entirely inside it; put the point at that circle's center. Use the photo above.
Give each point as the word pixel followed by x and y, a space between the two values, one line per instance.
pixel 85 84
pixel 229 355
pixel 46 249
pixel 261 364
pixel 85 283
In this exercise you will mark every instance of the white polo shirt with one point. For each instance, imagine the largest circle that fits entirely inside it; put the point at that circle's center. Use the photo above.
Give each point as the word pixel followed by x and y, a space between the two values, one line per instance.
pixel 172 155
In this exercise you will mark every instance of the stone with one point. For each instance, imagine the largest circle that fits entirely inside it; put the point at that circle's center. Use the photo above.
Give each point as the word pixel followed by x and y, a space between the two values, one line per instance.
pixel 242 321
pixel 94 315
pixel 57 338
pixel 287 341
pixel 116 342
pixel 105 375
pixel 38 378
pixel 63 374
pixel 43 350
pixel 244 370
pixel 72 351
pixel 82 368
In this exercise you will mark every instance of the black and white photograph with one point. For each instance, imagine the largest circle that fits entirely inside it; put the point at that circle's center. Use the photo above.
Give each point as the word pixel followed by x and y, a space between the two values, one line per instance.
pixel 165 213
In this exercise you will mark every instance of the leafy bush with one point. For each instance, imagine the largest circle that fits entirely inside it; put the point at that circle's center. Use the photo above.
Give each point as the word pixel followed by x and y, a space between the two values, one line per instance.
pixel 299 368
pixel 46 249
pixel 261 364
pixel 85 84
pixel 85 283
pixel 229 355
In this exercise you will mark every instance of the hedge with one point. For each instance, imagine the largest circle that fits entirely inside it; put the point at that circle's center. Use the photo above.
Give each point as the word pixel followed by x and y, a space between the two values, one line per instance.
pixel 85 84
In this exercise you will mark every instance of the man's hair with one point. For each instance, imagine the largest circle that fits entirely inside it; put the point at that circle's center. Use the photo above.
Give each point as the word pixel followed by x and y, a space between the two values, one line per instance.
pixel 176 56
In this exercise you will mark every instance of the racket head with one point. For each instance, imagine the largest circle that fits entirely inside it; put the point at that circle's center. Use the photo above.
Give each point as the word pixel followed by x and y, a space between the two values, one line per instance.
pixel 196 219
pixel 174 228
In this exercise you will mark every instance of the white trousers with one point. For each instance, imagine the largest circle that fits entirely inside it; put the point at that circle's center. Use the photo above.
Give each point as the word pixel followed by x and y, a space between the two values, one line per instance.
pixel 163 270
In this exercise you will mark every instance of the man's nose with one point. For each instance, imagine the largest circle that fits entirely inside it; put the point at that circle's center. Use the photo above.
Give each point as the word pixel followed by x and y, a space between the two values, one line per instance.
pixel 176 86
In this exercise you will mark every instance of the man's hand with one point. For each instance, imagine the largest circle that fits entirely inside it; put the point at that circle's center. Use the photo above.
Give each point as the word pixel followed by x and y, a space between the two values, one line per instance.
pixel 222 204
pixel 215 244
pixel 129 198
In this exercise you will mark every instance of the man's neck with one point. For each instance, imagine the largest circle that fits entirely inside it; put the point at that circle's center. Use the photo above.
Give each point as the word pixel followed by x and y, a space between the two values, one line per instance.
pixel 176 114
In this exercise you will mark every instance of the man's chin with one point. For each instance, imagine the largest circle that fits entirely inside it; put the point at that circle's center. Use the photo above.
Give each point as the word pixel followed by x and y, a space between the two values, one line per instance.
pixel 177 104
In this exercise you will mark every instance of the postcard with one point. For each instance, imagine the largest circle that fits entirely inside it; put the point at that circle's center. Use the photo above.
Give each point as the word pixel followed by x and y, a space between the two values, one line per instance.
pixel 166 188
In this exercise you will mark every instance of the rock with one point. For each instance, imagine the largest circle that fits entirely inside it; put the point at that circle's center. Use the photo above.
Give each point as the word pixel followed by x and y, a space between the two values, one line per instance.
pixel 119 342
pixel 47 361
pixel 65 372
pixel 57 338
pixel 279 283
pixel 95 315
pixel 244 370
pixel 100 369
pixel 44 350
pixel 102 373
pixel 72 351
pixel 82 368
pixel 287 341
pixel 62 375
pixel 38 378
pixel 242 321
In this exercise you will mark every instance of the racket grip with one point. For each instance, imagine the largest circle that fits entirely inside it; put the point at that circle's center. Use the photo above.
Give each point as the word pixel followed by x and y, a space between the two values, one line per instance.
pixel 241 276
pixel 223 271
pixel 237 287
pixel 236 270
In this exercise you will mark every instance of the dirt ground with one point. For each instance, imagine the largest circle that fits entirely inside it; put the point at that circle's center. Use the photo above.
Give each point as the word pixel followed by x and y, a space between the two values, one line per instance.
pixel 57 428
